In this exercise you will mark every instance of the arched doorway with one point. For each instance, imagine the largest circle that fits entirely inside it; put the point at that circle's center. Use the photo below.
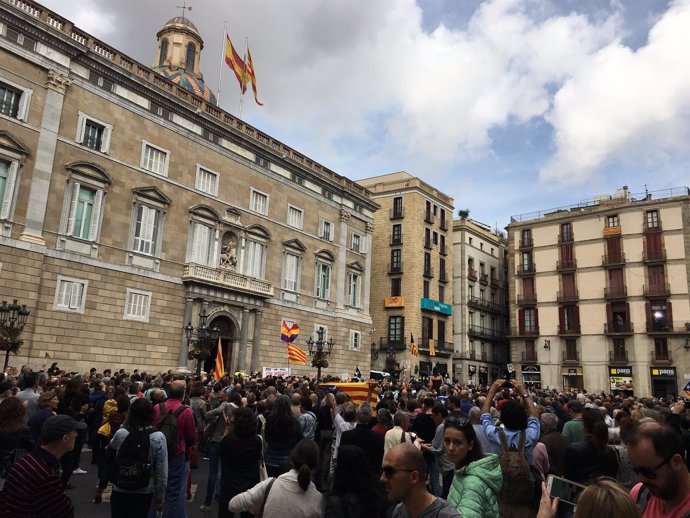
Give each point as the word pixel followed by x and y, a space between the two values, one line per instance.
pixel 228 336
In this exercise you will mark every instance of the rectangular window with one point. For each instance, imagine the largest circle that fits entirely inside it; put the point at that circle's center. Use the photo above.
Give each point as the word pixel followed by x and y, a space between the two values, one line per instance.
pixel 146 230
pixel 652 219
pixel 397 207
pixel 14 100
pixel 441 293
pixel 206 181
pixel 83 212
pixel 8 178
pixel 435 236
pixel 612 221
pixel 426 290
pixel 427 329
pixel 566 232
pixel 137 305
pixel 353 285
pixel 530 321
pixel 355 340
pixel 441 334
pixel 295 217
pixel 326 230
pixel 396 234
pixel 70 294
pixel 291 275
pixel 354 242
pixel 93 135
pixel 259 202
pixel 396 287
pixel 255 258
pixel 396 329
pixel 154 159
pixel 201 244
pixel 323 280
pixel 396 260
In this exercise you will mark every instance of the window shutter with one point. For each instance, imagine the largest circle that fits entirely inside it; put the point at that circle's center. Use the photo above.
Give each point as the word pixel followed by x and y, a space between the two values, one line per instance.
pixel 648 311
pixel 609 316
pixel 576 312
pixel 521 321
pixel 9 191
pixel 23 109
pixel 75 295
pixel 96 216
pixel 81 126
pixel 73 208
pixel 105 139
pixel 536 320
pixel 561 318
pixel 669 316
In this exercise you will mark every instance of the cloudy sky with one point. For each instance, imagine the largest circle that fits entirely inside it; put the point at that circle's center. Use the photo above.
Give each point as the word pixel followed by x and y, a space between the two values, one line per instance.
pixel 508 106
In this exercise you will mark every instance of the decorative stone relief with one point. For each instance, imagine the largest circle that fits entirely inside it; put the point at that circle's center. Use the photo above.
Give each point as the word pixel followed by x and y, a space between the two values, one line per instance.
pixel 57 81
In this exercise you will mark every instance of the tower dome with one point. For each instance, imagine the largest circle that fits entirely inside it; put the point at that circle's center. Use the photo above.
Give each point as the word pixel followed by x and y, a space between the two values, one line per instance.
pixel 179 56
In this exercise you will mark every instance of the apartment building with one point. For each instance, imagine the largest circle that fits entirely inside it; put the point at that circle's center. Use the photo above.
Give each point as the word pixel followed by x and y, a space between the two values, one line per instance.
pixel 480 309
pixel 599 294
pixel 132 205
pixel 411 275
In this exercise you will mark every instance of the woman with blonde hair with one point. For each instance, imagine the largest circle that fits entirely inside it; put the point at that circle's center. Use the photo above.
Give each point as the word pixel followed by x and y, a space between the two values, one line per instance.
pixel 603 498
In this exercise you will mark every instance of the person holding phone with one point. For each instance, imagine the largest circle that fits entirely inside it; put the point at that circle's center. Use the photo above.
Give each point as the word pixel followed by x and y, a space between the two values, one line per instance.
pixel 603 493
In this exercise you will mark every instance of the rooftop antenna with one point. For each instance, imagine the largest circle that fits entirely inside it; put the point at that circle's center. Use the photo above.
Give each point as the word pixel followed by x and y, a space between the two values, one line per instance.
pixel 183 7
pixel 646 192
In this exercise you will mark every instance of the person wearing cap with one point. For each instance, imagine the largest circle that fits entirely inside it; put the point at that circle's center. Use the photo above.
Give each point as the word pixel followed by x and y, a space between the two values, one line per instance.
pixel 33 487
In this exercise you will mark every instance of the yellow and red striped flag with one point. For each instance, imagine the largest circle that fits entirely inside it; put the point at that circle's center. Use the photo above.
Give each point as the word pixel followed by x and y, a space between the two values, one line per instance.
pixel 358 391
pixel 251 76
pixel 219 370
pixel 296 355
pixel 289 331
pixel 236 63
pixel 414 350
pixel 432 348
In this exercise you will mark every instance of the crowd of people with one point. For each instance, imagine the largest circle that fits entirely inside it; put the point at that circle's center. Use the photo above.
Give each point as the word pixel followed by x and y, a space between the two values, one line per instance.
pixel 417 448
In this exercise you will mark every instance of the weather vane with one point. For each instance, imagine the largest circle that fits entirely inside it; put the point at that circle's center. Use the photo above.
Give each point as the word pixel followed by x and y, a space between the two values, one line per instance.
pixel 183 7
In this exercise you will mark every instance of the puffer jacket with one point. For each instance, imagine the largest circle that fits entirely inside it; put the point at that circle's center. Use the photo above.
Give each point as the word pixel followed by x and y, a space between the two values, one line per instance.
pixel 475 488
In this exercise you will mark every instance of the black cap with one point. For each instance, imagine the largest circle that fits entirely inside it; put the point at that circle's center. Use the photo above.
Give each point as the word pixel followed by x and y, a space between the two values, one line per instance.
pixel 57 426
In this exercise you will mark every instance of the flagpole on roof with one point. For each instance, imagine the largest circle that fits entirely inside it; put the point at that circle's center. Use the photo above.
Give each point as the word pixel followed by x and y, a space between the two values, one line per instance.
pixel 244 73
pixel 222 59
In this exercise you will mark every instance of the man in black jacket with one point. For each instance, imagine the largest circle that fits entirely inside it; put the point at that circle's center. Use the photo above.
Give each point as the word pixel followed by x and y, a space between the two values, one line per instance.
pixel 365 437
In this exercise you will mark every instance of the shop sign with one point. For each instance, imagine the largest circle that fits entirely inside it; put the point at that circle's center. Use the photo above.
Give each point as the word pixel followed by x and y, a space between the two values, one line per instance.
pixel 438 307
pixel 663 372
pixel 621 378
pixel 572 372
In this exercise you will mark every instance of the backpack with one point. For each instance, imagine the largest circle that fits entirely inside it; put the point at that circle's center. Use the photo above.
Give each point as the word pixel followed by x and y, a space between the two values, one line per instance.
pixel 131 468
pixel 518 479
pixel 167 425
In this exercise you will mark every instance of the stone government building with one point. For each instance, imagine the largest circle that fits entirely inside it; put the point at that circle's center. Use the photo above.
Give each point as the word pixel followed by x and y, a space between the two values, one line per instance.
pixel 130 202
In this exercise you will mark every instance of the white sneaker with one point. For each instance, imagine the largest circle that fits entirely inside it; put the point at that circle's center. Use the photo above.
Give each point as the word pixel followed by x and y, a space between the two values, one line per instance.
pixel 79 471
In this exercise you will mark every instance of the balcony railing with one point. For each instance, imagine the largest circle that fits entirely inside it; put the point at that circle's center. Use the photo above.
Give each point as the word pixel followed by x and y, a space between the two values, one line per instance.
pixel 662 357
pixel 616 292
pixel 397 213
pixel 395 267
pixel 472 274
pixel 654 256
pixel 571 356
pixel 531 331
pixel 619 328
pixel 442 276
pixel 657 290
pixel 482 332
pixel 396 240
pixel 609 261
pixel 428 272
pixel 660 327
pixel 440 348
pixel 572 296
pixel 618 357
pixel 495 282
pixel 427 243
pixel 484 279
pixel 572 330
pixel 226 278
pixel 444 223
pixel 527 300
pixel 652 228
pixel 442 249
pixel 565 237
pixel 526 243
pixel 396 345
pixel 566 264
pixel 529 356
pixel 429 217
pixel 484 304
pixel 526 269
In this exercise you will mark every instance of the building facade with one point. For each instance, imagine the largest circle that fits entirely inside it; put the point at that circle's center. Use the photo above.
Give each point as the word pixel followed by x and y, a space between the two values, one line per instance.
pixel 599 294
pixel 132 204
pixel 411 275
pixel 479 302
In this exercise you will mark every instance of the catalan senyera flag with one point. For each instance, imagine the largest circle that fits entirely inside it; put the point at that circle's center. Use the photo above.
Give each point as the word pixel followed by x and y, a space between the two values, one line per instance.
pixel 219 370
pixel 358 391
pixel 296 355
pixel 236 63
pixel 432 348
pixel 414 350
pixel 289 331
pixel 250 75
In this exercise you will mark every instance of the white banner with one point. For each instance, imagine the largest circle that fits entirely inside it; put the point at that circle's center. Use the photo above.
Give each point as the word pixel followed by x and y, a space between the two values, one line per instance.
pixel 276 371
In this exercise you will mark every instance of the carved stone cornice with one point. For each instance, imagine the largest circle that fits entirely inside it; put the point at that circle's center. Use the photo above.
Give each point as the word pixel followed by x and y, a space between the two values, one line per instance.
pixel 344 215
pixel 370 228
pixel 57 81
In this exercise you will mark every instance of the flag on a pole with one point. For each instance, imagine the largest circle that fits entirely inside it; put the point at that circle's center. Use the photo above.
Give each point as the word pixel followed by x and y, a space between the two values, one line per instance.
pixel 358 392
pixel 414 350
pixel 432 348
pixel 236 63
pixel 289 331
pixel 251 76
pixel 296 355
pixel 219 370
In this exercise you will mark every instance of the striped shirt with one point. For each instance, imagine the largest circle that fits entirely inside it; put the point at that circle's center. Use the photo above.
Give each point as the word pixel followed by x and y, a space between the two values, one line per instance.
pixel 33 489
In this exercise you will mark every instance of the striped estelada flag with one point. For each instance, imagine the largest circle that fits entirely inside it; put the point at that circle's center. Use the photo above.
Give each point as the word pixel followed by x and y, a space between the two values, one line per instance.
pixel 358 392
pixel 414 350
pixel 219 370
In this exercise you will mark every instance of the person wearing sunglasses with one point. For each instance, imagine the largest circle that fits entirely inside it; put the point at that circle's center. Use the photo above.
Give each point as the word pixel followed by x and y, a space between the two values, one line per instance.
pixel 477 481
pixel 656 455
pixel 403 476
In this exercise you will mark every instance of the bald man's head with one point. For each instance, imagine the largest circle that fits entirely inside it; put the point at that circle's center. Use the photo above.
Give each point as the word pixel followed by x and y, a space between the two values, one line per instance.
pixel 409 457
pixel 177 389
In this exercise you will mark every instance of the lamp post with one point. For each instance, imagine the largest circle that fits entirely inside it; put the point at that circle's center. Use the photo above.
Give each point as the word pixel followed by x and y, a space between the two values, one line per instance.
pixel 200 347
pixel 12 321
pixel 319 351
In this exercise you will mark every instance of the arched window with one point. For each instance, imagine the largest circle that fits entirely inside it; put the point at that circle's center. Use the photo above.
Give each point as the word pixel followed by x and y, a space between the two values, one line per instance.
pixel 164 52
pixel 189 60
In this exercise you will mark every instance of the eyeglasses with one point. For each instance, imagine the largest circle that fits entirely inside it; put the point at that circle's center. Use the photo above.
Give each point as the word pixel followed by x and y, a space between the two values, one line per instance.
pixel 650 473
pixel 389 471
pixel 457 422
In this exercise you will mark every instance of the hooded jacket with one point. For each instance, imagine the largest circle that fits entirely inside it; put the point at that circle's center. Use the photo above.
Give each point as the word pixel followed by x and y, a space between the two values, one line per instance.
pixel 475 488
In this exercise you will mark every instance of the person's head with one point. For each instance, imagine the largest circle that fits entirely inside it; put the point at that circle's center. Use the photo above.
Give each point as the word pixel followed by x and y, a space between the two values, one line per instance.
pixel 628 428
pixel 440 413
pixel 177 389
pixel 454 402
pixel 48 400
pixel 140 413
pixel 383 416
pixel 595 428
pixel 606 493
pixel 296 399
pixel 474 414
pixel 514 415
pixel 59 433
pixel 402 420
pixel 304 458
pixel 12 414
pixel 122 403
pixel 244 422
pixel 349 412
pixel 30 380
pixel 460 441
pixel 364 413
pixel 403 472
pixel 549 422
pixel 656 455
pixel 575 407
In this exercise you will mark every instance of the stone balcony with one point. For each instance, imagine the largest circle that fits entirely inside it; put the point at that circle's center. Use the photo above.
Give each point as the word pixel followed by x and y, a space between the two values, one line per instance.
pixel 226 279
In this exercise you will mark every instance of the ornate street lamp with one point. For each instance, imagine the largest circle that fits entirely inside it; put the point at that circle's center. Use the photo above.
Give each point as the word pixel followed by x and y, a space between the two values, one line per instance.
pixel 318 352
pixel 12 321
pixel 200 347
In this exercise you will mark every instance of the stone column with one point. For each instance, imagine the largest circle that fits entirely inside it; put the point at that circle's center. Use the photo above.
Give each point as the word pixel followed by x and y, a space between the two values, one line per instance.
pixel 255 341
pixel 182 359
pixel 244 332
pixel 366 278
pixel 57 84
pixel 342 260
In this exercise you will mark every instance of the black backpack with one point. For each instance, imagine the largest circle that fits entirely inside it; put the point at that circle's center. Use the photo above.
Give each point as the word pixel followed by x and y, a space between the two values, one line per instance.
pixel 167 425
pixel 132 464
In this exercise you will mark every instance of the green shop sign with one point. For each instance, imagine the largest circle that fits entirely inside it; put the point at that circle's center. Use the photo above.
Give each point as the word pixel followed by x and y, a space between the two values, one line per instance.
pixel 438 307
